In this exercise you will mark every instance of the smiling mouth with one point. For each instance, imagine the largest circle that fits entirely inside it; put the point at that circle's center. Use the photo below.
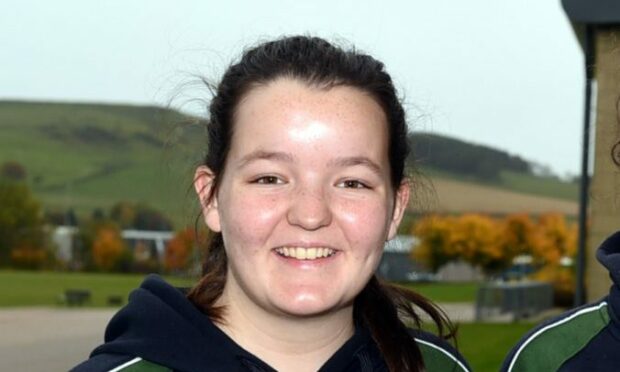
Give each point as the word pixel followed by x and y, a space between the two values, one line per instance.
pixel 300 253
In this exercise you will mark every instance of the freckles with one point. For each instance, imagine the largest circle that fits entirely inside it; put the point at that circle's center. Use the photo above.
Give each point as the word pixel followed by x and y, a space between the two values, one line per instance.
pixel 255 218
pixel 256 210
pixel 363 215
pixel 365 225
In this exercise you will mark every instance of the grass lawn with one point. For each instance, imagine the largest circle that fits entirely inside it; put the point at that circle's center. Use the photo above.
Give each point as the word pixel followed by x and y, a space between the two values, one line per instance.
pixel 33 288
pixel 43 288
pixel 446 292
pixel 485 345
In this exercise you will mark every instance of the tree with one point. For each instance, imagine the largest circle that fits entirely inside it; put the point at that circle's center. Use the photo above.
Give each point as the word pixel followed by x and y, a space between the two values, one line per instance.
pixel 124 213
pixel 29 256
pixel 517 236
pixel 492 244
pixel 435 235
pixel 477 238
pixel 59 218
pixel 148 218
pixel 12 170
pixel 554 239
pixel 139 216
pixel 108 248
pixel 181 250
pixel 21 221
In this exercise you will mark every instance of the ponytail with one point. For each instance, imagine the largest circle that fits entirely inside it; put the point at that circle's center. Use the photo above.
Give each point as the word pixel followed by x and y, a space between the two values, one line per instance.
pixel 211 285
pixel 379 308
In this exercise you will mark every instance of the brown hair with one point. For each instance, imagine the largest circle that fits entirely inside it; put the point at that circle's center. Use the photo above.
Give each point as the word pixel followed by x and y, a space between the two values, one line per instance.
pixel 318 63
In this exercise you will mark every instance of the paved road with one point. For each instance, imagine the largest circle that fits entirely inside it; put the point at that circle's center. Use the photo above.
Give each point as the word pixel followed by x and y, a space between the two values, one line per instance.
pixel 42 339
pixel 459 312
pixel 50 339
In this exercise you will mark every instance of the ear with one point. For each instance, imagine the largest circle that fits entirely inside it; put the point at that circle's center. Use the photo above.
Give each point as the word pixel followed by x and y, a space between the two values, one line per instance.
pixel 401 200
pixel 204 180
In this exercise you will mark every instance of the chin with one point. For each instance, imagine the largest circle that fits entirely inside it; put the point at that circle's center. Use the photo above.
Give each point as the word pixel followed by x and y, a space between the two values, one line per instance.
pixel 306 305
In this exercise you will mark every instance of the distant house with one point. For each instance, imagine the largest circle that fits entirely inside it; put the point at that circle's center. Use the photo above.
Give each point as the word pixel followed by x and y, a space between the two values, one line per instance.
pixel 147 244
pixel 63 238
pixel 144 244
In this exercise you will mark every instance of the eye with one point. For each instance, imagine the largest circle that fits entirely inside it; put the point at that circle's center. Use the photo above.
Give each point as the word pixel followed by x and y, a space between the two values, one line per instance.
pixel 353 184
pixel 268 180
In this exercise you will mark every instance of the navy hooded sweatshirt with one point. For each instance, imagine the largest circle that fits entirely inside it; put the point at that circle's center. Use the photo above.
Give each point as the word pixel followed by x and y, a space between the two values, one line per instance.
pixel 583 339
pixel 161 330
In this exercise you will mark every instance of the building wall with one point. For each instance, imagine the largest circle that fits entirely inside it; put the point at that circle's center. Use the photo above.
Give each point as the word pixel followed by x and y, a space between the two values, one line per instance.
pixel 605 186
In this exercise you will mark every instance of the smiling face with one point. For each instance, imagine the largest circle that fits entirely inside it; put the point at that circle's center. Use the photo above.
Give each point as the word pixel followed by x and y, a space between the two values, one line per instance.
pixel 305 202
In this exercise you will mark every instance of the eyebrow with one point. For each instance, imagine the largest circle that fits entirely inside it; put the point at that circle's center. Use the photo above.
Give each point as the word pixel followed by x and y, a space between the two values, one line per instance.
pixel 351 161
pixel 347 161
pixel 265 155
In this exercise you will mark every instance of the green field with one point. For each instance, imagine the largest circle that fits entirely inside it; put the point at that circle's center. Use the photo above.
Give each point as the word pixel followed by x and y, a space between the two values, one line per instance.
pixel 485 345
pixel 87 156
pixel 32 288
pixel 43 288
pixel 446 292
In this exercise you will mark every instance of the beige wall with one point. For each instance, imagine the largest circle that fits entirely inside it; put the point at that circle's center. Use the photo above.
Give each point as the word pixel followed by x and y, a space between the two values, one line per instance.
pixel 605 187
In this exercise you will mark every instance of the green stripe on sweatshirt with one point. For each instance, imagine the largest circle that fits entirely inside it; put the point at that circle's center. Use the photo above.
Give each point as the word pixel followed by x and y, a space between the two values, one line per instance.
pixel 554 344
pixel 141 365
pixel 437 359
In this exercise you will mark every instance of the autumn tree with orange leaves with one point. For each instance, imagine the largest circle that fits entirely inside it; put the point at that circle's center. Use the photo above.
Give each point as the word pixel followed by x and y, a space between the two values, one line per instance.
pixel 181 250
pixel 108 248
pixel 435 247
pixel 492 244
pixel 478 240
pixel 517 235
pixel 554 239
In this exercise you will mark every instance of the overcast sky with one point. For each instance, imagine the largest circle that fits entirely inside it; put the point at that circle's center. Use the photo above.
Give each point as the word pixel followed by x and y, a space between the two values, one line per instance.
pixel 502 73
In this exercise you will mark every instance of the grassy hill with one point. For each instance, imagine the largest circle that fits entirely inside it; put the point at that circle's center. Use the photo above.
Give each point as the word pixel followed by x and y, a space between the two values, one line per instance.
pixel 457 196
pixel 518 182
pixel 87 156
pixel 445 157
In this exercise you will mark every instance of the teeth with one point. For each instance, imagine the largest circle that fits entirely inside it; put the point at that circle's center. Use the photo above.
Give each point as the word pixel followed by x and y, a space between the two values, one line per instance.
pixel 305 253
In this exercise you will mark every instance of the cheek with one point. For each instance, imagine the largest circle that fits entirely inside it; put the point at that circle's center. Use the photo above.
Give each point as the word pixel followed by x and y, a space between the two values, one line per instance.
pixel 247 221
pixel 365 224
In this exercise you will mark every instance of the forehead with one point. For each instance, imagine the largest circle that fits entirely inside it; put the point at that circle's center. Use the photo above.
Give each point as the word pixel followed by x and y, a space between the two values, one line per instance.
pixel 291 101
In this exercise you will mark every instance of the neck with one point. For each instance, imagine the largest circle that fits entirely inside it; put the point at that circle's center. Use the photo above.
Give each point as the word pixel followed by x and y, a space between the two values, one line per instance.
pixel 285 342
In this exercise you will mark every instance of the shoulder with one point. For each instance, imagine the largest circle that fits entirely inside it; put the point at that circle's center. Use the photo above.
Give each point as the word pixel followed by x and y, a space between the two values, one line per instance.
pixel 119 363
pixel 555 341
pixel 438 354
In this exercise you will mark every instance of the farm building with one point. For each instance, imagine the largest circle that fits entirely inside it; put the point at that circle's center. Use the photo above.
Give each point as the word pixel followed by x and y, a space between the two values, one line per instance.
pixel 145 245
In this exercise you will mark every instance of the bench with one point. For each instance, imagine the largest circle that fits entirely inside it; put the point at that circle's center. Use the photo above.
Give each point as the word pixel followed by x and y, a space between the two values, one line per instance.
pixel 115 300
pixel 77 297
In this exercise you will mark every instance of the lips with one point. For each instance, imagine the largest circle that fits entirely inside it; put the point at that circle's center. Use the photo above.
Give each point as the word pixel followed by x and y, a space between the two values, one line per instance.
pixel 301 253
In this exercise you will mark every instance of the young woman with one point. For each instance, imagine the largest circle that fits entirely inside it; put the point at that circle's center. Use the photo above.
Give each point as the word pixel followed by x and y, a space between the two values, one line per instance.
pixel 303 183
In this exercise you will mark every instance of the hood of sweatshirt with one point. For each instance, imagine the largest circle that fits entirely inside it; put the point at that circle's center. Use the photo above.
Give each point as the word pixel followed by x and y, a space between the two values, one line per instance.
pixel 161 325
pixel 608 254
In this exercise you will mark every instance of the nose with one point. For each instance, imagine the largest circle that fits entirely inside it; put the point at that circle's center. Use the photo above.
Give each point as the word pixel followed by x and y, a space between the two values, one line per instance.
pixel 309 209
